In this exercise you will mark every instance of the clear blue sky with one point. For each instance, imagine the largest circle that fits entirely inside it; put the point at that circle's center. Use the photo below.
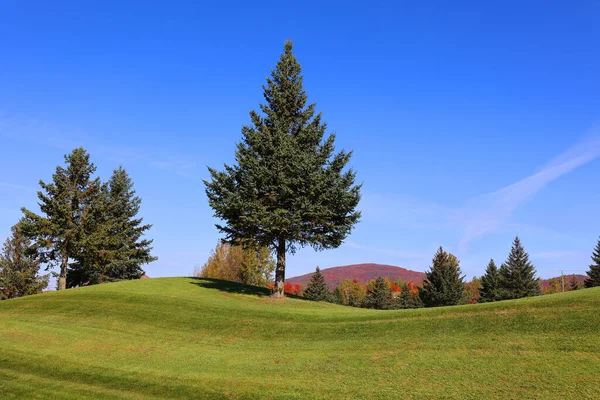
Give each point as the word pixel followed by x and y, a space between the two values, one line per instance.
pixel 471 122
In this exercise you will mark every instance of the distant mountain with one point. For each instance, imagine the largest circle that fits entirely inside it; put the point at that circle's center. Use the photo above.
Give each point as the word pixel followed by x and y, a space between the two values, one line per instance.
pixel 362 273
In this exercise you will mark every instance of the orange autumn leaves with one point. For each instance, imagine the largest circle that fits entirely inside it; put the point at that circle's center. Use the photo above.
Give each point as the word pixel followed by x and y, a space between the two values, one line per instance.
pixel 289 288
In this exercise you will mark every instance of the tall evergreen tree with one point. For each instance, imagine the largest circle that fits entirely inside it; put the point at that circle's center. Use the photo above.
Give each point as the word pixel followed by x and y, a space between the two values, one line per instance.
pixel 59 231
pixel 114 247
pixel 288 188
pixel 593 274
pixel 573 283
pixel 517 274
pixel 443 285
pixel 19 271
pixel 317 288
pixel 379 295
pixel 490 285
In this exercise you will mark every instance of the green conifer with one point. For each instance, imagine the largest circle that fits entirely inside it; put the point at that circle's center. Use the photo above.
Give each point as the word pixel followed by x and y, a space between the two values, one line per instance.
pixel 114 247
pixel 444 284
pixel 64 203
pixel 289 188
pixel 19 270
pixel 490 289
pixel 573 283
pixel 406 299
pixel 379 295
pixel 317 288
pixel 517 275
pixel 593 274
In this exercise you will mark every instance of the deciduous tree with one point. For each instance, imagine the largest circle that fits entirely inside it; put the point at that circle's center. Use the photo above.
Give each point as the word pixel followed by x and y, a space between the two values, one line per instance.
pixel 288 187
pixel 235 263
pixel 350 293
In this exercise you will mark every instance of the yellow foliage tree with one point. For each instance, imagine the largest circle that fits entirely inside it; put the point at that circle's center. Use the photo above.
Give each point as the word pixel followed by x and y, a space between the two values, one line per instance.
pixel 235 263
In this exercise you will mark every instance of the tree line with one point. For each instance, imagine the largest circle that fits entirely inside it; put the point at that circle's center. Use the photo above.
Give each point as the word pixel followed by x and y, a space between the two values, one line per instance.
pixel 87 228
pixel 444 284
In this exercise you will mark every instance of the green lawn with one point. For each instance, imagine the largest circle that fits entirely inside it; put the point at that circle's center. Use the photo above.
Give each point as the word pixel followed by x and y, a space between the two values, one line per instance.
pixel 188 338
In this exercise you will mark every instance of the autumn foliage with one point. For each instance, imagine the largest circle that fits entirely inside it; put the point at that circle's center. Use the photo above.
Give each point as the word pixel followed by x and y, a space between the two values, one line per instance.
pixel 289 288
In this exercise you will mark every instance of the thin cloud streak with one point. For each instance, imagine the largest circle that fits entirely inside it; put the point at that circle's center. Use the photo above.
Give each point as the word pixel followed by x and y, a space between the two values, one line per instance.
pixel 487 213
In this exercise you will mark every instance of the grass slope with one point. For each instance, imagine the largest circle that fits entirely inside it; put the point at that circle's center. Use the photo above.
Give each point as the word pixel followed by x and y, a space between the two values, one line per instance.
pixel 188 338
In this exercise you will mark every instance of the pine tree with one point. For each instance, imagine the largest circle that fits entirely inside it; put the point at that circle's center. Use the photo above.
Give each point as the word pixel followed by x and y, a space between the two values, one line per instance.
pixel 593 274
pixel 64 202
pixel 444 284
pixel 114 247
pixel 573 283
pixel 19 271
pixel 517 275
pixel 288 188
pixel 379 295
pixel 317 288
pixel 406 299
pixel 490 289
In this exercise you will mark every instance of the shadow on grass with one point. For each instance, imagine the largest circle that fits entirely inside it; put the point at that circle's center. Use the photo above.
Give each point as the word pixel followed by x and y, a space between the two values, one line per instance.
pixel 235 287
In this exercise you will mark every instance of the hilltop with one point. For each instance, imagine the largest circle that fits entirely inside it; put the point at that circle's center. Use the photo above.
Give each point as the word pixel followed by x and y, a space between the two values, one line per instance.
pixel 198 338
pixel 362 273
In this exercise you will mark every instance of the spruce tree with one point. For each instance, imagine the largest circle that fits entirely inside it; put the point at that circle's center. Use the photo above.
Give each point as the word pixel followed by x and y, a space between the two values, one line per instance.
pixel 289 188
pixel 19 270
pixel 517 275
pixel 490 289
pixel 593 274
pixel 443 285
pixel 573 283
pixel 406 299
pixel 317 288
pixel 58 232
pixel 114 247
pixel 379 295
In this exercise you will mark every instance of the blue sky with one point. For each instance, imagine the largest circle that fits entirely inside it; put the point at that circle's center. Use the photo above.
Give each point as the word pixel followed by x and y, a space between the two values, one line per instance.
pixel 471 122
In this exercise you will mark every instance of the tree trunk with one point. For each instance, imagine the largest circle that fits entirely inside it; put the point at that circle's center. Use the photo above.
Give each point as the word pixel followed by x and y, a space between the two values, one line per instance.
pixel 280 270
pixel 62 280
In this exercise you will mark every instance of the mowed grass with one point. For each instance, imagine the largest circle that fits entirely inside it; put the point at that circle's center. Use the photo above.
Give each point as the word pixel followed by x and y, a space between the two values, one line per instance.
pixel 201 339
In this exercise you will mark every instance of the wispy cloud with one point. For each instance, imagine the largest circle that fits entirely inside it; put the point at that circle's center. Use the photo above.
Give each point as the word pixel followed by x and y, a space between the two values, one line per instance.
pixel 484 214
pixel 487 213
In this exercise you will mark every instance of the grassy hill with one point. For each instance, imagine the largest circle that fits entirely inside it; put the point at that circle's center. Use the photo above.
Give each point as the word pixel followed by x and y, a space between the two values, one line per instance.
pixel 188 338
